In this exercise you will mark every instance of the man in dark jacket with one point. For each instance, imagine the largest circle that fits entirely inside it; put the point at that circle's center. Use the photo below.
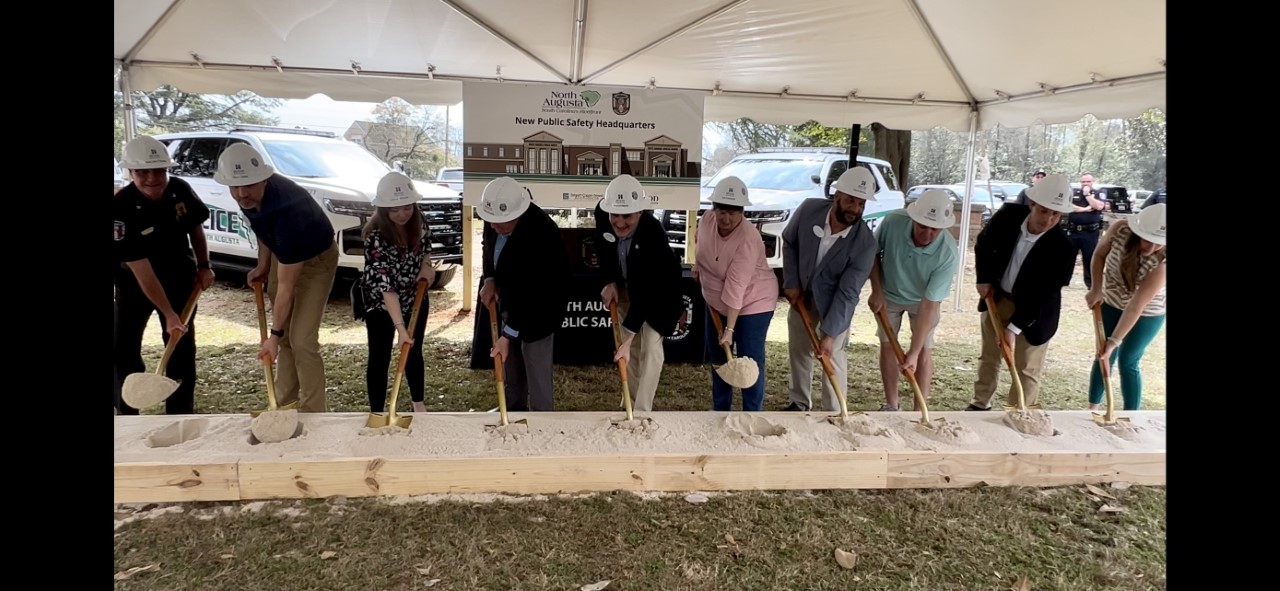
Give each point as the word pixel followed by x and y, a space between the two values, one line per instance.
pixel 526 269
pixel 644 280
pixel 1023 261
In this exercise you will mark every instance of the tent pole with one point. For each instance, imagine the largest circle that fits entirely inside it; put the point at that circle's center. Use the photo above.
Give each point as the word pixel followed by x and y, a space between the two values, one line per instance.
pixel 965 205
pixel 130 119
pixel 468 243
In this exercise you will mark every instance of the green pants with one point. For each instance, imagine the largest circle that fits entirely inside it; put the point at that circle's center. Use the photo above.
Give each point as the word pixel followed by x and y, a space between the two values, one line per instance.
pixel 1129 353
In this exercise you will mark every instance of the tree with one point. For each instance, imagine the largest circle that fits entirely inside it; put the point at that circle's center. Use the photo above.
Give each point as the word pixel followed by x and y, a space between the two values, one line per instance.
pixel 167 110
pixel 413 136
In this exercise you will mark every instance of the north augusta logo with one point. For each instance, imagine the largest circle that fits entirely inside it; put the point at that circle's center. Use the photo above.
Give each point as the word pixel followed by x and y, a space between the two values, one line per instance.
pixel 229 222
pixel 563 100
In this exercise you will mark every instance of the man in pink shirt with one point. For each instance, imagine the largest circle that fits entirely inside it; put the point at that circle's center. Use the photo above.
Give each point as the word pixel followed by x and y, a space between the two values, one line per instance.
pixel 738 285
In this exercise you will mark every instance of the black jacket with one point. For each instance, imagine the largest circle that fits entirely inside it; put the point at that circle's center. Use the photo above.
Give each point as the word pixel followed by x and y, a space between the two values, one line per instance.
pixel 531 276
pixel 1037 292
pixel 653 273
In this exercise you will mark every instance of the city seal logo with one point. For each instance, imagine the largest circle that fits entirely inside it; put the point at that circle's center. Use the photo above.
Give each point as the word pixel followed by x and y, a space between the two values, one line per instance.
pixel 590 96
pixel 621 103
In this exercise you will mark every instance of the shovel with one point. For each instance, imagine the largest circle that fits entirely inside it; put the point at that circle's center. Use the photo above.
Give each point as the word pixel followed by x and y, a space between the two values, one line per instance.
pixel 739 372
pixel 1110 418
pixel 271 424
pixel 826 364
pixel 497 372
pixel 141 390
pixel 883 317
pixel 1008 356
pixel 376 420
pixel 622 363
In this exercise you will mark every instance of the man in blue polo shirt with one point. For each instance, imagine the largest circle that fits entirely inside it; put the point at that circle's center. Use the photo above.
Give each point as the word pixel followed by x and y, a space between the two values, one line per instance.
pixel 912 275
pixel 298 258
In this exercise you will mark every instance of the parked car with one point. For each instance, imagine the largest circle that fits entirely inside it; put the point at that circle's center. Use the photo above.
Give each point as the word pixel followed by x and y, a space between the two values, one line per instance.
pixel 981 197
pixel 342 177
pixel 450 178
pixel 1006 191
pixel 779 180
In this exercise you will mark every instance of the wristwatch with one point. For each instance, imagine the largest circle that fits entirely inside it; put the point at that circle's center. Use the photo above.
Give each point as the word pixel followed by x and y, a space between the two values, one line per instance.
pixel 277 332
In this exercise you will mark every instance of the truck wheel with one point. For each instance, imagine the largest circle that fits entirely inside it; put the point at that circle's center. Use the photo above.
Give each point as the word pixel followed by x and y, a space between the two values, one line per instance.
pixel 444 274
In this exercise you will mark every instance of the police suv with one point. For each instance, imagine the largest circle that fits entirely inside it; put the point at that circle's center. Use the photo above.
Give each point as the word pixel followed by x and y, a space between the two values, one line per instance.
pixel 342 177
pixel 780 179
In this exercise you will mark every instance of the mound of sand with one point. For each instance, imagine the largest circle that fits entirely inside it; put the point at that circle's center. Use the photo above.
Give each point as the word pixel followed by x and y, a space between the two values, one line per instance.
pixel 1031 422
pixel 275 426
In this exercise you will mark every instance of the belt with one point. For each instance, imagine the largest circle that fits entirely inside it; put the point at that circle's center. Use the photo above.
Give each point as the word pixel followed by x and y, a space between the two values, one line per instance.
pixel 1084 227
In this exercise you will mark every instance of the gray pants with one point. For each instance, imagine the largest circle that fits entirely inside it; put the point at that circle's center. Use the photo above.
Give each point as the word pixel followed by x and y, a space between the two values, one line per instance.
pixel 803 359
pixel 528 375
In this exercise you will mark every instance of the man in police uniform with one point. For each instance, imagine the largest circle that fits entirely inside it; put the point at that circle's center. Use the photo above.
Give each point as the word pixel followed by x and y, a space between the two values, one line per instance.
pixel 1084 224
pixel 158 221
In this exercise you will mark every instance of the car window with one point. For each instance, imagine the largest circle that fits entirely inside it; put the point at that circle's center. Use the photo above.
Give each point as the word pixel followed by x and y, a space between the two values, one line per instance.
pixel 198 157
pixel 780 174
pixel 311 159
pixel 452 174
pixel 837 168
pixel 889 180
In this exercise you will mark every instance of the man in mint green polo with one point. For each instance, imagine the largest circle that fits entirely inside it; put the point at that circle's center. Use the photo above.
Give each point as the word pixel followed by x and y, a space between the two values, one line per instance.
pixel 912 274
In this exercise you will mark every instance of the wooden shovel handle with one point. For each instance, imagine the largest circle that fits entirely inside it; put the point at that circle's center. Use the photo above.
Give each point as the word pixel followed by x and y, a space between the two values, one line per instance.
pixel 493 331
pixel 715 321
pixel 413 323
pixel 998 325
pixel 187 312
pixel 262 310
pixel 813 340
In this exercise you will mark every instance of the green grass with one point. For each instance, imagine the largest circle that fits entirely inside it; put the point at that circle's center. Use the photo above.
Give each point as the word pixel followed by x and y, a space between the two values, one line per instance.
pixel 954 539
pixel 983 538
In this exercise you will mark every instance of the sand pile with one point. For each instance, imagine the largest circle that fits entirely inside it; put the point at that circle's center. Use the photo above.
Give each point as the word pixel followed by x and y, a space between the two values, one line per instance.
pixel 1031 422
pixel 386 430
pixel 637 426
pixel 225 438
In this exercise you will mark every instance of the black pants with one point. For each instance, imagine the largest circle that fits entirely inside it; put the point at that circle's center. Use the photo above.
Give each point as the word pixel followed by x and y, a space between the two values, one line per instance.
pixel 132 311
pixel 382 343
pixel 1084 242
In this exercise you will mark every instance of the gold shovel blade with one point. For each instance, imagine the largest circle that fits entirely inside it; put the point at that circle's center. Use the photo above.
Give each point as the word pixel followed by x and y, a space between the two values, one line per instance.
pixel 291 406
pixel 378 420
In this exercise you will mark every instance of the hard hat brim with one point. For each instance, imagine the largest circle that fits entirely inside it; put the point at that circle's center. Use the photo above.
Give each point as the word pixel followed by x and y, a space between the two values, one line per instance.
pixel 147 166
pixel 609 207
pixel 502 218
pixel 377 202
pixel 913 211
pixel 264 173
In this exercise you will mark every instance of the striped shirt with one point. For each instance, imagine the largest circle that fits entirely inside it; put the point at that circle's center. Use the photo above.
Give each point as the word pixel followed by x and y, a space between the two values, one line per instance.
pixel 1114 292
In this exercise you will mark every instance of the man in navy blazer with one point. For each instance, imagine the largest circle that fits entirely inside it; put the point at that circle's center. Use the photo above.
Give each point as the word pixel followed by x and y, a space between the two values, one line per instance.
pixel 1023 259
pixel 827 254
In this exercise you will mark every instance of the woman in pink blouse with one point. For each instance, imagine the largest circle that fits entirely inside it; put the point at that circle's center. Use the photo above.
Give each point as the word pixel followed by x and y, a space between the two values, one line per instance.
pixel 738 285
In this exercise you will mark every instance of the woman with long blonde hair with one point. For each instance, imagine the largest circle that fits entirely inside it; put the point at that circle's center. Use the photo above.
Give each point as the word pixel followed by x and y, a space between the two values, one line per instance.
pixel 397 251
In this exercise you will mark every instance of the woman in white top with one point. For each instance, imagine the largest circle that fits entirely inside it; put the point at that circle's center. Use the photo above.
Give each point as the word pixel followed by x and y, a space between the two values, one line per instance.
pixel 1130 259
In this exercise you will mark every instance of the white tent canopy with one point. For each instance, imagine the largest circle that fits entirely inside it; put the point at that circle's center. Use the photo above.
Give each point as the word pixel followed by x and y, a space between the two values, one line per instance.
pixel 908 64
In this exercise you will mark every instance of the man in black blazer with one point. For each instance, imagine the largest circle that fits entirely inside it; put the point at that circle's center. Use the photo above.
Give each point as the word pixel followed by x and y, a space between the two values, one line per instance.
pixel 644 280
pixel 1023 260
pixel 525 273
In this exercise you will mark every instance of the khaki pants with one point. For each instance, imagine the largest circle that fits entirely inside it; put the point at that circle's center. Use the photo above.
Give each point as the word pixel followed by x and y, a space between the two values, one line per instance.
pixel 802 359
pixel 647 356
pixel 1028 359
pixel 300 369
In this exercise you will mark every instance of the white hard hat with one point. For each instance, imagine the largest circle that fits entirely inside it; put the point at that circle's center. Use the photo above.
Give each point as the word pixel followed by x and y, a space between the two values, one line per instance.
pixel 1053 192
pixel 933 209
pixel 395 189
pixel 730 191
pixel 241 165
pixel 1149 223
pixel 144 152
pixel 857 182
pixel 504 200
pixel 624 196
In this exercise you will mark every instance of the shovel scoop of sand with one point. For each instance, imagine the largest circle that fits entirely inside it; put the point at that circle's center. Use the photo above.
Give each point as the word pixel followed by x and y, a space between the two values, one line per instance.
pixel 141 390
pixel 739 372
pixel 1031 422
pixel 275 426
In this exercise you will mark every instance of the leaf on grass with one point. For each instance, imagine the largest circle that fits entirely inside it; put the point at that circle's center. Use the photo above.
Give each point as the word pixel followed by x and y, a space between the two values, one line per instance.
pixel 227 556
pixel 696 498
pixel 432 582
pixel 595 586
pixel 423 571
pixel 846 560
pixel 1022 584
pixel 729 538
pixel 150 568
pixel 1111 509
pixel 1121 485
pixel 327 554
pixel 1097 491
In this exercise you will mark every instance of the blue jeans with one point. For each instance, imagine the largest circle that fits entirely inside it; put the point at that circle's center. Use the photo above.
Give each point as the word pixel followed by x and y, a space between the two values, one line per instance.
pixel 748 340
pixel 1129 353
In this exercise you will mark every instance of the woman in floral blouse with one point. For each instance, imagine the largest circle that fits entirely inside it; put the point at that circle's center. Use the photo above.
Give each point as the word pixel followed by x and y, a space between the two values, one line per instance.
pixel 397 251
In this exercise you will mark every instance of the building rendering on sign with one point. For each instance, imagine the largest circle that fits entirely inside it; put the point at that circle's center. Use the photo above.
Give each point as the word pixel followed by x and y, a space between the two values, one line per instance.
pixel 544 153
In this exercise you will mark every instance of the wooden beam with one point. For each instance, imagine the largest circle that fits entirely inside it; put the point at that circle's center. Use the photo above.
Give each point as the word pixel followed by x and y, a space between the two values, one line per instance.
pixel 812 455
